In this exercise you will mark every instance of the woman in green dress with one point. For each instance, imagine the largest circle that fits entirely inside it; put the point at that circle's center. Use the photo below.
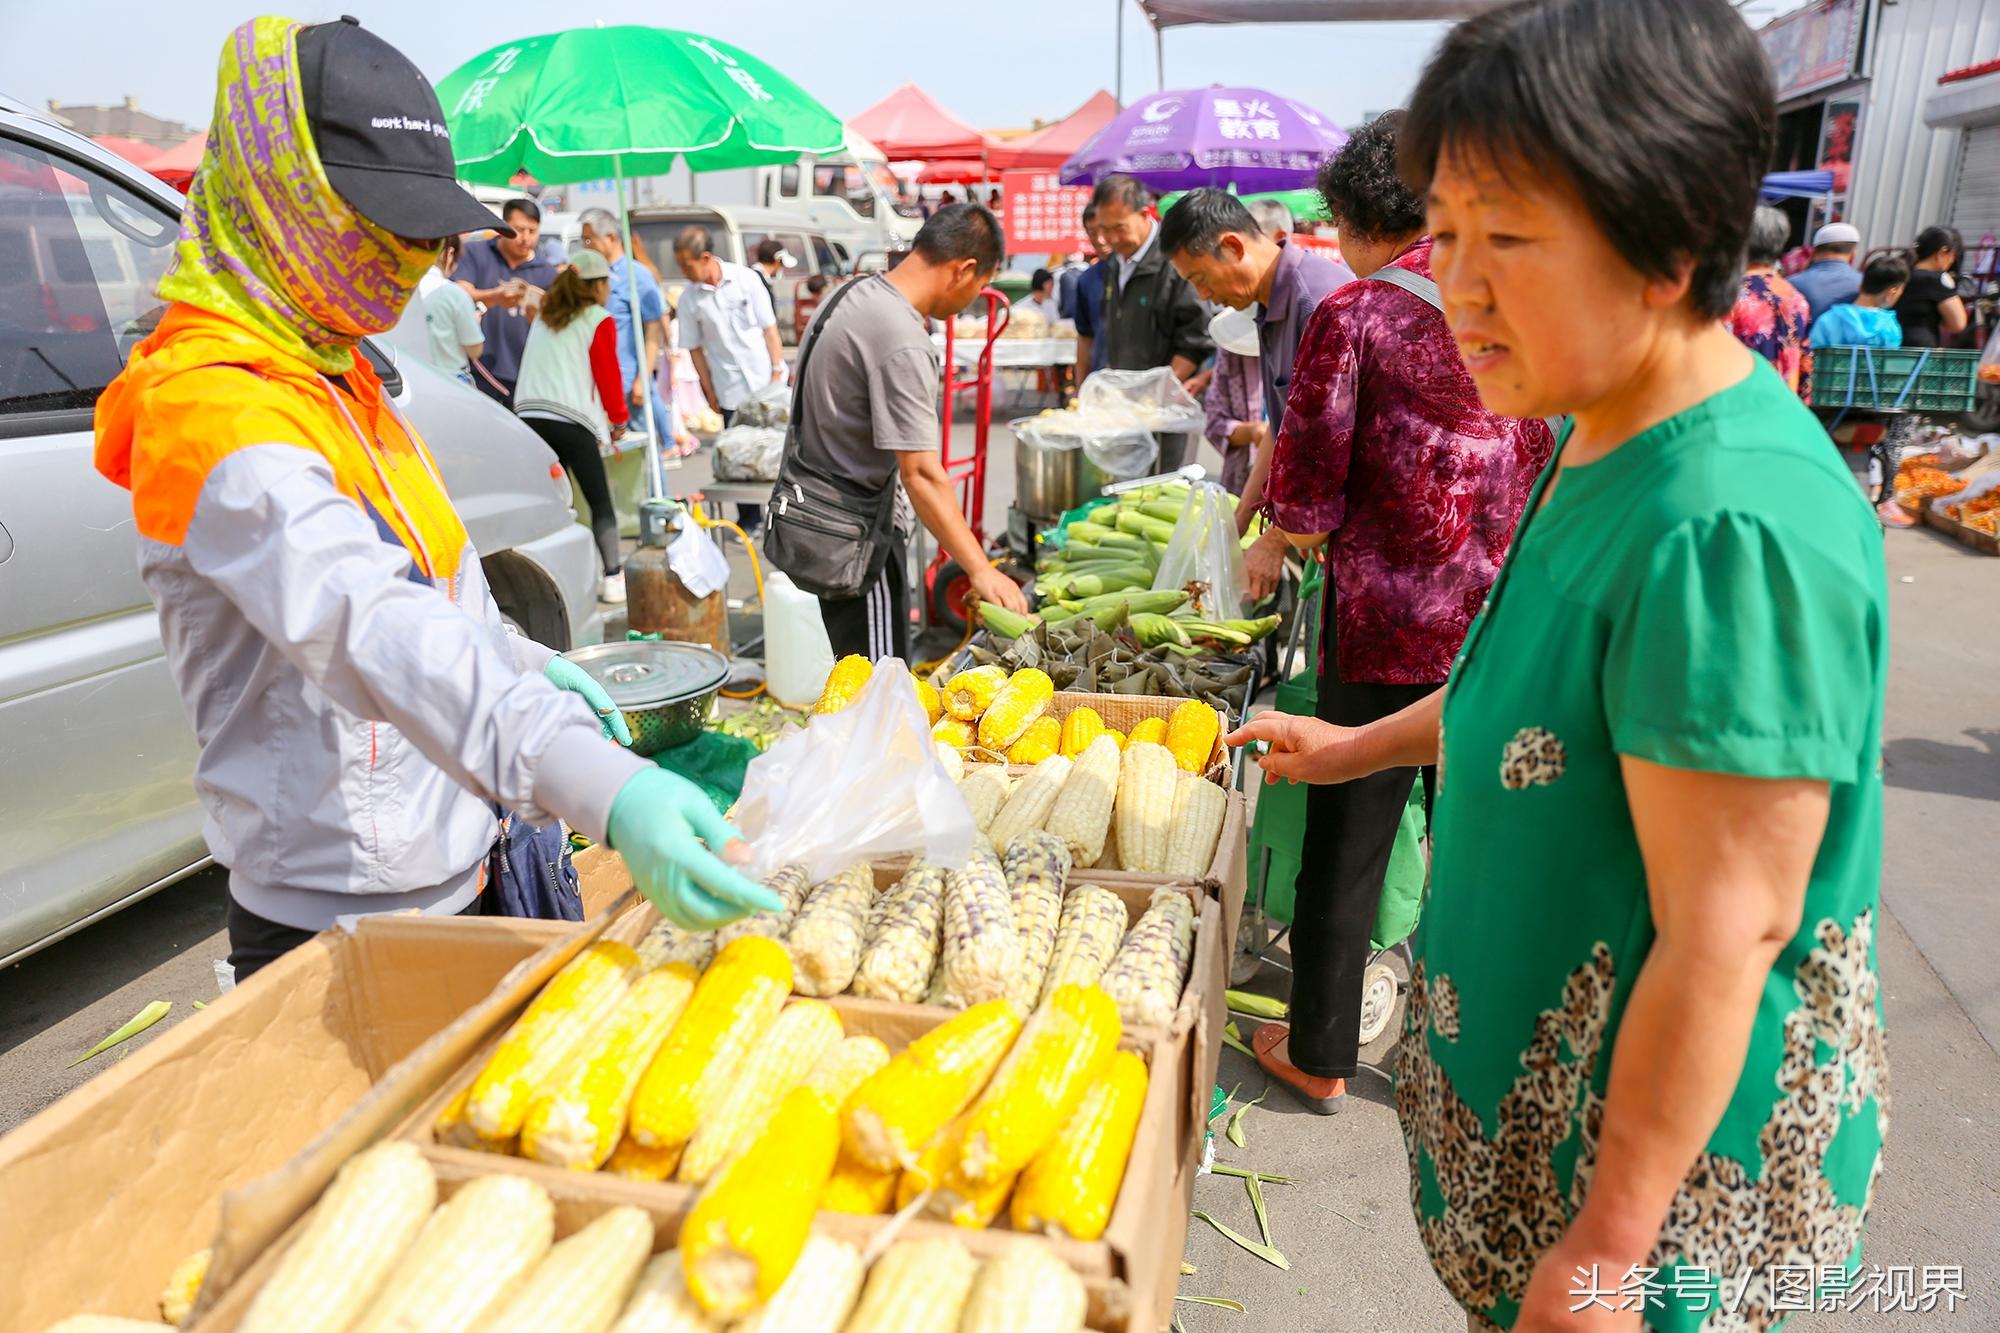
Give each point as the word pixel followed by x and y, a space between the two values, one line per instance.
pixel 1643 1077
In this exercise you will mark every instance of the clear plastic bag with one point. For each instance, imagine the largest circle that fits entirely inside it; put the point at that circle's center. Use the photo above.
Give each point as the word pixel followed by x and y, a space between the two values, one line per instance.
pixel 1205 550
pixel 1150 400
pixel 1120 452
pixel 749 453
pixel 862 783
pixel 769 406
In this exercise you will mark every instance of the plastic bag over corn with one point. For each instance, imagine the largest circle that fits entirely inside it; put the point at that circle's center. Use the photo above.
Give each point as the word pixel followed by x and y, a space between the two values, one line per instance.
pixel 860 783
pixel 1205 550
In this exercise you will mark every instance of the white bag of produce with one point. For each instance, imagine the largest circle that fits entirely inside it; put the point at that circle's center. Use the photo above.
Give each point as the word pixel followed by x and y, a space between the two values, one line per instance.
pixel 865 782
pixel 1204 549
pixel 769 406
pixel 749 453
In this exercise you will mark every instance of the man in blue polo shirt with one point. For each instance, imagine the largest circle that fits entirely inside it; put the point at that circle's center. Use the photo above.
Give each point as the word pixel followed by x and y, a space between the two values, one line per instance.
pixel 600 233
pixel 507 277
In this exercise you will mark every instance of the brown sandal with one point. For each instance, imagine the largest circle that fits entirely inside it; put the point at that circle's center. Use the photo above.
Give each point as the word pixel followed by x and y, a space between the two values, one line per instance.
pixel 1324 1096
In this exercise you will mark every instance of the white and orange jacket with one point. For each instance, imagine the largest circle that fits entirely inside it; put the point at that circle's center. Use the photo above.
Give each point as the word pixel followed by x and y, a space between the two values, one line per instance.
pixel 360 706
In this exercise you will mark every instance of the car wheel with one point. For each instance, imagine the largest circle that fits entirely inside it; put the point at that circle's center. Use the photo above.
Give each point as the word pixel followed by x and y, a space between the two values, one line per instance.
pixel 528 600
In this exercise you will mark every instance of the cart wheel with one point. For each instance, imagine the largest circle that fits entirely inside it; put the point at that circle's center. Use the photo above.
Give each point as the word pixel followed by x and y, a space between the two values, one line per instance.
pixel 1381 996
pixel 950 587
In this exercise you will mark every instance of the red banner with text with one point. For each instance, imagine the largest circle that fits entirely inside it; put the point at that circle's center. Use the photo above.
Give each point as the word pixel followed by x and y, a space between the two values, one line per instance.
pixel 1040 213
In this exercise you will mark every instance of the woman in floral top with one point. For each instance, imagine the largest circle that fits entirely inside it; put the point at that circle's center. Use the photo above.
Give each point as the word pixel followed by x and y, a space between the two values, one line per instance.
pixel 1388 459
pixel 1771 317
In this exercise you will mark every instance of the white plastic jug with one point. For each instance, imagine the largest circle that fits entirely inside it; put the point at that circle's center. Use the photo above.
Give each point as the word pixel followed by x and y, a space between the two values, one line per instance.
pixel 797 654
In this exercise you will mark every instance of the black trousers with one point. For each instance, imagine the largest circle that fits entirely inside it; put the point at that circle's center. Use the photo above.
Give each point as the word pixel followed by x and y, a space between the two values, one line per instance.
pixel 1350 831
pixel 255 941
pixel 576 449
pixel 877 623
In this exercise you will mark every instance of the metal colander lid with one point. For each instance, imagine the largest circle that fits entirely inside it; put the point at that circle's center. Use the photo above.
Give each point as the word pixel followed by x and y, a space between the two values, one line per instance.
pixel 647 673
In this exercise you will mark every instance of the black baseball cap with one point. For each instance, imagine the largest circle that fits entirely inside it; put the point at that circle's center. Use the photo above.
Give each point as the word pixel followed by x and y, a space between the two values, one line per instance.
pixel 381 135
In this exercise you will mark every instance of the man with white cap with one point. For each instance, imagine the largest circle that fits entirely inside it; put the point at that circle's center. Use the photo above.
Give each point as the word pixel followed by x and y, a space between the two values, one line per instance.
pixel 1831 278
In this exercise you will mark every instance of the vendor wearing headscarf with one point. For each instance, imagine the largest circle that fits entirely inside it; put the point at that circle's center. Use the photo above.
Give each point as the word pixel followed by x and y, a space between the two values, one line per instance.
pixel 362 711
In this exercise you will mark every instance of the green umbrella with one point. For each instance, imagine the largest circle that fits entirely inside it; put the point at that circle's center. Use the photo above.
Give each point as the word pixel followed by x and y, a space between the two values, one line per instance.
pixel 625 101
pixel 1306 205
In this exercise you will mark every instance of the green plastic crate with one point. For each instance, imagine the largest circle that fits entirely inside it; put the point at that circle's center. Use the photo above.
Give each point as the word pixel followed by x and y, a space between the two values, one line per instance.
pixel 1908 379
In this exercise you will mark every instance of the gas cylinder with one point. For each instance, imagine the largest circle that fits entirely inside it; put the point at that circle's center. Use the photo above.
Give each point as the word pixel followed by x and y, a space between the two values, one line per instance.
pixel 656 601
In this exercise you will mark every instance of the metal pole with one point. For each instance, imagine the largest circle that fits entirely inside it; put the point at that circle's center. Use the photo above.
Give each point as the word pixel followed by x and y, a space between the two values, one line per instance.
pixel 1118 77
pixel 656 470
pixel 1159 61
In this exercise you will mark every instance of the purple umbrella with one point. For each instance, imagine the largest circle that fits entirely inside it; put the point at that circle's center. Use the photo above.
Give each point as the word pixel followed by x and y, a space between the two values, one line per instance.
pixel 1244 137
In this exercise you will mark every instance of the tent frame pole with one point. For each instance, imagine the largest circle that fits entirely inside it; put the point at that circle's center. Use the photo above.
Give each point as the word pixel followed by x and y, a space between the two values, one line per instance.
pixel 1118 75
pixel 656 470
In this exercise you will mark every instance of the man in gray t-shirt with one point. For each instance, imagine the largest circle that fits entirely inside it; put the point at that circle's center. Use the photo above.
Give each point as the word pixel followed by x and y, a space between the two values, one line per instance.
pixel 867 415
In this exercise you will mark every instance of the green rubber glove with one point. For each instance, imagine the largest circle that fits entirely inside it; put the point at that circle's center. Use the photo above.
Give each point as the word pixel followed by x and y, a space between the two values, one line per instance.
pixel 659 823
pixel 567 675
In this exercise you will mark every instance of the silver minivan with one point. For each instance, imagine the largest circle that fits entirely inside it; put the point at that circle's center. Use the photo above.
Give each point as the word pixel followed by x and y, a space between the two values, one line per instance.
pixel 736 233
pixel 97 803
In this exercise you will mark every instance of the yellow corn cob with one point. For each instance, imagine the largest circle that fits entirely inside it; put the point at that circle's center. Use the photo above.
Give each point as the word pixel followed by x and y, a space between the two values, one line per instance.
pixel 469 1258
pixel 917 1285
pixel 791 884
pixel 954 732
pixel 453 1131
pixel 855 1188
pixel 183 1285
pixel 635 1161
pixel 582 1282
pixel 106 1323
pixel 1069 1190
pixel 1030 801
pixel 981 947
pixel 661 1303
pixel 845 1067
pixel 1020 702
pixel 1025 1289
pixel 668 943
pixel 744 1234
pixel 1199 806
pixel 953 1198
pixel 1191 734
pixel 927 1173
pixel 1036 864
pixel 844 683
pixel 903 932
pixel 1145 810
pixel 967 694
pixel 779 1062
pixel 1038 1085
pixel 952 761
pixel 579 1122
pixel 904 1104
pixel 1116 735
pixel 556 1025
pixel 985 789
pixel 1152 965
pixel 1079 729
pixel 830 931
pixel 733 1003
pixel 928 697
pixel 1152 730
pixel 1081 815
pixel 357 1235
pixel 1036 743
pixel 1087 939
pixel 816 1298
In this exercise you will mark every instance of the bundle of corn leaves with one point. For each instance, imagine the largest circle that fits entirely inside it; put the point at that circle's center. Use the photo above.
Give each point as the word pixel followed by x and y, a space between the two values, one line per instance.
pixel 1079 655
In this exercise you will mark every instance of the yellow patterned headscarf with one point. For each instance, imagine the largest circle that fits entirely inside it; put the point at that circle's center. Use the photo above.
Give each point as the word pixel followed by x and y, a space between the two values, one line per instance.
pixel 265 239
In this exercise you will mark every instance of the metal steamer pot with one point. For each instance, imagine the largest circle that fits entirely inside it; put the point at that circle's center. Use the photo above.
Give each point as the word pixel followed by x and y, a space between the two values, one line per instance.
pixel 664 689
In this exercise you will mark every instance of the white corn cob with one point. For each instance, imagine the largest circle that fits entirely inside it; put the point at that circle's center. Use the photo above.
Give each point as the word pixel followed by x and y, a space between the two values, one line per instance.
pixel 789 883
pixel 1151 967
pixel 781 1060
pixel 829 931
pixel 661 1302
pixel 668 943
pixel 1108 859
pixel 469 1258
pixel 954 763
pixel 918 1286
pixel 359 1231
pixel 982 945
pixel 1145 812
pixel 1093 925
pixel 1199 806
pixel 985 789
pixel 1081 816
pixel 1030 801
pixel 818 1294
pixel 1036 865
pixel 903 930
pixel 1025 1289
pixel 581 1283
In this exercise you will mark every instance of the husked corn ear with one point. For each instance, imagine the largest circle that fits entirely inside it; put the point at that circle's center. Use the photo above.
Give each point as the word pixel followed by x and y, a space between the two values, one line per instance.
pixel 668 943
pixel 1087 939
pixel 1036 864
pixel 635 1161
pixel 855 1188
pixel 790 883
pixel 917 1285
pixel 850 674
pixel 904 927
pixel 981 949
pixel 905 1103
pixel 1199 806
pixel 1069 1190
pixel 357 1235
pixel 1145 810
pixel 1025 1289
pixel 183 1285
pixel 1152 731
pixel 733 1003
pixel 474 1251
pixel 839 1071
pixel 928 698
pixel 1081 815
pixel 780 1060
pixel 579 1122
pixel 953 1198
pixel 582 1282
pixel 954 732
pixel 555 1026
pixel 827 936
pixel 1079 729
pixel 967 694
pixel 933 1161
pixel 952 761
pixel 1146 976
pixel 1036 743
pixel 816 1298
pixel 1019 703
pixel 1116 735
pixel 985 789
pixel 1191 734
pixel 1038 1085
pixel 1030 801
pixel 661 1302
pixel 1108 860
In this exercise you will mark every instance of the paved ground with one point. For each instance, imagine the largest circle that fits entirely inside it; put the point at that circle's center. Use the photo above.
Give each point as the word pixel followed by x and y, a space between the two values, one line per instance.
pixel 1355 1262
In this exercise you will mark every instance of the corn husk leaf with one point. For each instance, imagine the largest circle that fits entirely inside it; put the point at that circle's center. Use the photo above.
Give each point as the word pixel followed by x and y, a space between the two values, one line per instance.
pixel 1224 1169
pixel 1257 1006
pixel 1235 1127
pixel 1257 1206
pixel 144 1019
pixel 1219 1302
pixel 1258 1248
pixel 1187 1269
pixel 1236 1045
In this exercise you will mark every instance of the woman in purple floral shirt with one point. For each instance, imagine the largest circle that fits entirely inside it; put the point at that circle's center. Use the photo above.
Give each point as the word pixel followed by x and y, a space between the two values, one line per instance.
pixel 1389 461
pixel 1771 317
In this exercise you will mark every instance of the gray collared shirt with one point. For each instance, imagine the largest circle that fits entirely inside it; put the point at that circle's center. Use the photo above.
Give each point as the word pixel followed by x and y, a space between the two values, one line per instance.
pixel 1303 280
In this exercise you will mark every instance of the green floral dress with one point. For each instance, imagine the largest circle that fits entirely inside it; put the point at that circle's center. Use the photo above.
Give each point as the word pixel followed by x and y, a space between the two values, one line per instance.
pixel 1708 596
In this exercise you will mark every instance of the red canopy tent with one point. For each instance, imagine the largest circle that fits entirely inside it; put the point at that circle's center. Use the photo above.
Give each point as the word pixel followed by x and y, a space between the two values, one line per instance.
pixel 1052 145
pixel 956 171
pixel 177 165
pixel 909 124
pixel 138 154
